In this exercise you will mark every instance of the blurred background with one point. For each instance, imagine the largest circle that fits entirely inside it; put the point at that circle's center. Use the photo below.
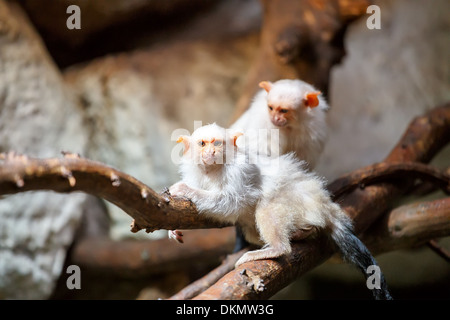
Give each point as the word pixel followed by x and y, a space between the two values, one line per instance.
pixel 116 89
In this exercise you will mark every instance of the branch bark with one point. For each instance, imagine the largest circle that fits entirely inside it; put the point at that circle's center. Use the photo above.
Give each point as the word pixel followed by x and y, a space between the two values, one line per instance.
pixel 151 211
pixel 410 226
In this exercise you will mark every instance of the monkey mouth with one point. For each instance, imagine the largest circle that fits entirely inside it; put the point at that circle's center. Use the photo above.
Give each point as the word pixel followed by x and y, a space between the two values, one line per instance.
pixel 279 123
pixel 209 161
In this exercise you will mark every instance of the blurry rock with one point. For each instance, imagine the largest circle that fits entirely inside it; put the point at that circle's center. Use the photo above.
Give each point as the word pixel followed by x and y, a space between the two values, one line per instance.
pixel 133 103
pixel 388 77
pixel 39 117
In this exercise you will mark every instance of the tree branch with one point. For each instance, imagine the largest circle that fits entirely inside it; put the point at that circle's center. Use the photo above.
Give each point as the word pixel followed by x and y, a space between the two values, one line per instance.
pixel 150 210
pixel 409 226
pixel 137 258
pixel 433 245
pixel 386 171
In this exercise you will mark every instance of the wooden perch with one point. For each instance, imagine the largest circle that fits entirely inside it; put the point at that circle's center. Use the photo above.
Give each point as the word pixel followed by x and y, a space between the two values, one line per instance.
pixel 150 210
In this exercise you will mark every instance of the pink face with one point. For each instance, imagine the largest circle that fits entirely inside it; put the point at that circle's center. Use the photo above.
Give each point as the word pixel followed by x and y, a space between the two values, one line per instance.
pixel 280 116
pixel 210 150
pixel 207 145
pixel 284 105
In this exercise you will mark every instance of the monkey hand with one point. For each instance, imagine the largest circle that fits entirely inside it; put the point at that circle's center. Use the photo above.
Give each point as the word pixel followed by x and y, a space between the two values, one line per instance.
pixel 180 189
pixel 176 235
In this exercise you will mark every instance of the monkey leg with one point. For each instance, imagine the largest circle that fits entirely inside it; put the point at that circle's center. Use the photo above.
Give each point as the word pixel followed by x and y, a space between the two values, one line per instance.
pixel 274 230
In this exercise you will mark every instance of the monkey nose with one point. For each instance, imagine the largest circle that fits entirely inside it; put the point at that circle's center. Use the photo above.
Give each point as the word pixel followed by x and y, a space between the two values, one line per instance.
pixel 279 122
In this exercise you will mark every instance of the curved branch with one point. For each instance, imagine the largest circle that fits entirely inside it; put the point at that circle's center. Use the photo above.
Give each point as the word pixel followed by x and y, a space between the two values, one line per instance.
pixel 386 171
pixel 151 211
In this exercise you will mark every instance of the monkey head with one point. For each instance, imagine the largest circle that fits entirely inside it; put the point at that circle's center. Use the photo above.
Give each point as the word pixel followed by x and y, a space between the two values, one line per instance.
pixel 285 101
pixel 208 145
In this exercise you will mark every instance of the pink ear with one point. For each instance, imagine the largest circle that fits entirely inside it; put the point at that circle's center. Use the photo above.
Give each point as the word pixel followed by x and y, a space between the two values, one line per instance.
pixel 185 140
pixel 266 85
pixel 311 99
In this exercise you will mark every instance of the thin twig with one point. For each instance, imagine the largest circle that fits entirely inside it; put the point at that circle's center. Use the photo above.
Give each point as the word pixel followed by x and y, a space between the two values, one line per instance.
pixel 433 245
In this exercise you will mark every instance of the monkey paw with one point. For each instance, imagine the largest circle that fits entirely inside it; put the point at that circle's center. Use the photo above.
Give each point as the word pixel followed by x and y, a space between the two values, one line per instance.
pixel 180 189
pixel 176 235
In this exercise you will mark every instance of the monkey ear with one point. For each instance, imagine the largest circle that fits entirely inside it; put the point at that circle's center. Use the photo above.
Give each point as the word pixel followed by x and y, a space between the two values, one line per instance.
pixel 311 99
pixel 234 137
pixel 185 140
pixel 266 85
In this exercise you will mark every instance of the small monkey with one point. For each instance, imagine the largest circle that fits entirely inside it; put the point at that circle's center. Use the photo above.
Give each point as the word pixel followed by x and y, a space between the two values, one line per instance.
pixel 273 200
pixel 217 178
pixel 297 110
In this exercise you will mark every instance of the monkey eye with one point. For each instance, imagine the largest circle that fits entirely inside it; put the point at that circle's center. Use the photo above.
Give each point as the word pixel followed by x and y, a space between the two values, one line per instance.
pixel 218 143
pixel 201 143
pixel 271 108
pixel 284 110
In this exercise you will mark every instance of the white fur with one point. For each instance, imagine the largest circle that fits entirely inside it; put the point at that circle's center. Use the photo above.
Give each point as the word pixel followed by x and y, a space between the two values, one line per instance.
pixel 271 199
pixel 225 191
pixel 305 136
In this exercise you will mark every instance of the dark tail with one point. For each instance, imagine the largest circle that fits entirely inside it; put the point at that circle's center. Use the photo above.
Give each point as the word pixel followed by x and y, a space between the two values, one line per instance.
pixel 355 252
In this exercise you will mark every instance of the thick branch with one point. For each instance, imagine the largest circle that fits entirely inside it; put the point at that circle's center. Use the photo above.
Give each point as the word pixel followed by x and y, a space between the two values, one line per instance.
pixel 71 173
pixel 137 258
pixel 386 171
pixel 409 226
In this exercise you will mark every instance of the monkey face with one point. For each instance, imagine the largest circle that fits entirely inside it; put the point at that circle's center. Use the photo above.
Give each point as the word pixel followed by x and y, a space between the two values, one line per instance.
pixel 211 151
pixel 279 116
pixel 209 145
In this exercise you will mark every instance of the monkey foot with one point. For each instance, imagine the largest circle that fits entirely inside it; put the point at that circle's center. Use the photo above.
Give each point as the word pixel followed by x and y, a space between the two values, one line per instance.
pixel 176 235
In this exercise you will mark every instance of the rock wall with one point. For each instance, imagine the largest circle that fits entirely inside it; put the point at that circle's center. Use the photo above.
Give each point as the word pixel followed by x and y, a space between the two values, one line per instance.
pixel 39 117
pixel 387 77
